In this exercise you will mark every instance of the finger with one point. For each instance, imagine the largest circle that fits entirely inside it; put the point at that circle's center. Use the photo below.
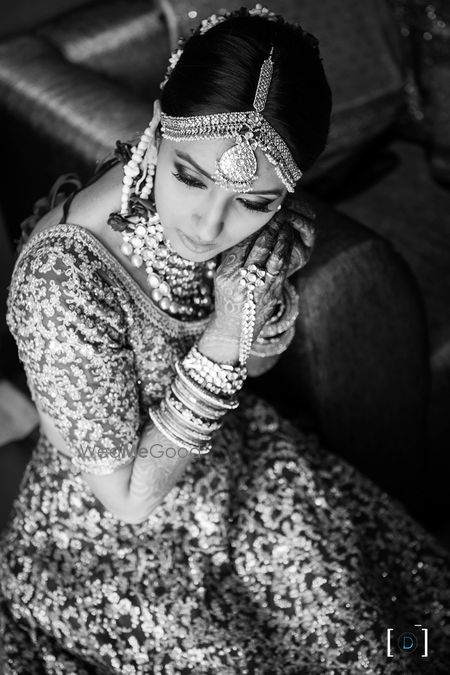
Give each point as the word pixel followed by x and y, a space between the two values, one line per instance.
pixel 300 208
pixel 275 284
pixel 263 244
pixel 300 254
pixel 303 225
pixel 260 257
pixel 234 257
pixel 307 231
pixel 279 257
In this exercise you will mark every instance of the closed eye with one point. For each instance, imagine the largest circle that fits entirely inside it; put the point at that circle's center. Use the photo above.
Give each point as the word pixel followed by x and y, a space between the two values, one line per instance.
pixel 192 182
pixel 253 206
pixel 188 180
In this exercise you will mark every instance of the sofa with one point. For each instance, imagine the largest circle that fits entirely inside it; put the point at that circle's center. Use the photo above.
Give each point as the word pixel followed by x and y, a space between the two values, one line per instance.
pixel 369 367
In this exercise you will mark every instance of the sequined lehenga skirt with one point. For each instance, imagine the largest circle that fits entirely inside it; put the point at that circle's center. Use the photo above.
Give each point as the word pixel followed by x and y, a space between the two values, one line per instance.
pixel 270 555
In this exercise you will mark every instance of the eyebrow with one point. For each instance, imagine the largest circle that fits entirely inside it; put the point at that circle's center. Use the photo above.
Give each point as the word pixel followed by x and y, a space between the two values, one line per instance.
pixel 188 158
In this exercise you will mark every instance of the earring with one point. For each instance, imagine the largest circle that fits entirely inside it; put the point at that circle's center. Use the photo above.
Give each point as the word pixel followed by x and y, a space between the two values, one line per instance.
pixel 150 159
pixel 140 169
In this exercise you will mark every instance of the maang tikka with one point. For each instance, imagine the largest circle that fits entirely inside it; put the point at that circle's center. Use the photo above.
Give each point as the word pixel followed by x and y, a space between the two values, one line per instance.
pixel 237 168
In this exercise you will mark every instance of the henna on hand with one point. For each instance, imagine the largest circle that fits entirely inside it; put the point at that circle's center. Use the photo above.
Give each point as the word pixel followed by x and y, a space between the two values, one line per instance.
pixel 305 232
pixel 270 249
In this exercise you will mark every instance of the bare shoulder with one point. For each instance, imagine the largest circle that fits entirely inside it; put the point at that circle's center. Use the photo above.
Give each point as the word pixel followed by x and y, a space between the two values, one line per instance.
pixel 91 206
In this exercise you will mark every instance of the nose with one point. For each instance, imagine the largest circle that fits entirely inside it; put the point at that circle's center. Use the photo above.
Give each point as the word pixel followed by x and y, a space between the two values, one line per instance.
pixel 211 222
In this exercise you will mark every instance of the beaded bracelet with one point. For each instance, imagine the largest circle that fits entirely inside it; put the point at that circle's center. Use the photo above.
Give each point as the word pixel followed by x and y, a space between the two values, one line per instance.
pixel 215 401
pixel 218 378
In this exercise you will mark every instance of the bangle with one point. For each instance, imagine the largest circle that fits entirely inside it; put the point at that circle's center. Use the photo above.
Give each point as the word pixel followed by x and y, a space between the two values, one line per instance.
pixel 189 417
pixel 278 314
pixel 183 416
pixel 222 375
pixel 217 402
pixel 162 426
pixel 287 319
pixel 192 402
pixel 181 429
pixel 220 379
pixel 274 346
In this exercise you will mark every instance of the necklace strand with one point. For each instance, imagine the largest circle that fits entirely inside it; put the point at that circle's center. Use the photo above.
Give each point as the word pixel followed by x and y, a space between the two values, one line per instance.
pixel 179 286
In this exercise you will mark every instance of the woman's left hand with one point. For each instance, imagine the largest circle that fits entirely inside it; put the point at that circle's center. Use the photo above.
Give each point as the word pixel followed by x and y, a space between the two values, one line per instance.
pixel 304 235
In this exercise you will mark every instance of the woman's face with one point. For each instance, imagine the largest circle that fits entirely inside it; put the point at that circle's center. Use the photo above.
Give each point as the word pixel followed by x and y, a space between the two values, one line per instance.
pixel 199 218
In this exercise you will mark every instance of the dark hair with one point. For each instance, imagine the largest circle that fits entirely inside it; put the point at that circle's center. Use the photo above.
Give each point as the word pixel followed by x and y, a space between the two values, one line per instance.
pixel 218 72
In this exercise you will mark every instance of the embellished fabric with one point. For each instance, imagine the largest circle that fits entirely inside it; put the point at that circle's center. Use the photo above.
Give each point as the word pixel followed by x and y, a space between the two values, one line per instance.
pixel 77 342
pixel 270 555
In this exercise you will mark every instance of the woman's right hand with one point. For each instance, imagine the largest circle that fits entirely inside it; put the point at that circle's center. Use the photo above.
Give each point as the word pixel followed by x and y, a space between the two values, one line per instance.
pixel 270 249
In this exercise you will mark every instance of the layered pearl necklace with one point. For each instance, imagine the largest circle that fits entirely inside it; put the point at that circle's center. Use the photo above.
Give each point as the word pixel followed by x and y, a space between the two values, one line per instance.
pixel 179 286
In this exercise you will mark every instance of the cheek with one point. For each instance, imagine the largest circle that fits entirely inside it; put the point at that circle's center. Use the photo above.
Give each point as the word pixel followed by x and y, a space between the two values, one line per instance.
pixel 242 225
pixel 173 202
pixel 166 200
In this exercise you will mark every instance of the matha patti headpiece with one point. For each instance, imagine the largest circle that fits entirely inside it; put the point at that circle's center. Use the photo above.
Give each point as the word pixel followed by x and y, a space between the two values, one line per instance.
pixel 237 167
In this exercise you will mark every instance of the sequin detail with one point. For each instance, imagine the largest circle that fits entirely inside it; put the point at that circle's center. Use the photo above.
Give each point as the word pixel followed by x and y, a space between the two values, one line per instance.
pixel 269 556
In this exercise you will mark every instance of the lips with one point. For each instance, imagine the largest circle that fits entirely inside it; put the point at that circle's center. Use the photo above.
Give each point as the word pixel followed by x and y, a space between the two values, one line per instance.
pixel 192 245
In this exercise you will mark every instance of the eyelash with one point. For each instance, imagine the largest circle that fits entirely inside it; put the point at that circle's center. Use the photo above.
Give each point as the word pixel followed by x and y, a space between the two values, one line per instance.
pixel 192 183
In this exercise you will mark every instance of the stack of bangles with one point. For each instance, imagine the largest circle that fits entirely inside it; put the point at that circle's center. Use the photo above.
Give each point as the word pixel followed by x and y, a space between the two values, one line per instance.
pixel 203 391
pixel 198 398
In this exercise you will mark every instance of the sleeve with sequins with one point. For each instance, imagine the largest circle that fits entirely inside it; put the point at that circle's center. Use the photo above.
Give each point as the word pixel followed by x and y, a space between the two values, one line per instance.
pixel 71 337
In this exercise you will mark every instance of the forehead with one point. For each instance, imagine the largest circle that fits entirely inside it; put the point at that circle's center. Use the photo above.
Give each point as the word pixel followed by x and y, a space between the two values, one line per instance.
pixel 205 153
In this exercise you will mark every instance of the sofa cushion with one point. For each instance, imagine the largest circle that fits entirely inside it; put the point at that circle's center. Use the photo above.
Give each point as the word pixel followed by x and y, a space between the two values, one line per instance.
pixel 70 118
pixel 411 210
pixel 359 44
pixel 22 15
pixel 126 42
pixel 72 105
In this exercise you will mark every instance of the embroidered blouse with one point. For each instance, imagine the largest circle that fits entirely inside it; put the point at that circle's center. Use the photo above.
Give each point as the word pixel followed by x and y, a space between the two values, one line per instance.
pixel 96 349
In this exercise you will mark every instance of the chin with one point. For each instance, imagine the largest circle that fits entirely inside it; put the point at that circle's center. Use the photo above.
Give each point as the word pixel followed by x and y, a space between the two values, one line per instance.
pixel 192 256
pixel 185 251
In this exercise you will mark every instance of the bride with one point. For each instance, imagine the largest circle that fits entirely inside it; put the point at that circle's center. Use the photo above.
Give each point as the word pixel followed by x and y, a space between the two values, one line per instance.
pixel 169 521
